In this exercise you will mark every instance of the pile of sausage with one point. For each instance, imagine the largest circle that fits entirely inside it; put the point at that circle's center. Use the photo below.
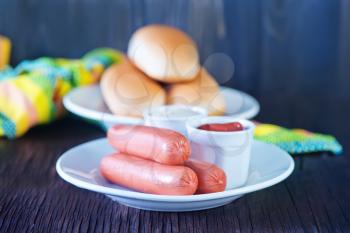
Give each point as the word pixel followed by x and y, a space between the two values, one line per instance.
pixel 155 160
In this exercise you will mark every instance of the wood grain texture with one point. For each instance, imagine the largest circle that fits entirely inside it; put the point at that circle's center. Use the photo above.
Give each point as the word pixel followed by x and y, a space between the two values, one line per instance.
pixel 34 199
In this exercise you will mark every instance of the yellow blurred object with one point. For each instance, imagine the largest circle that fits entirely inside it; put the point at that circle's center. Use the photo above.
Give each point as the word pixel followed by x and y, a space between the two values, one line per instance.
pixel 265 129
pixel 5 49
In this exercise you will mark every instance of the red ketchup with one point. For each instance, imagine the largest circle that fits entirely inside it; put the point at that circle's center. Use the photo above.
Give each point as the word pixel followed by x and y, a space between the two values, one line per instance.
pixel 224 127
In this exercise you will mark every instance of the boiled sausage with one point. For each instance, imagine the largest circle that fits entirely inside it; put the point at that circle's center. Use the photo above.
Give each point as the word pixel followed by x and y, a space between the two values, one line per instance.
pixel 148 176
pixel 210 177
pixel 160 145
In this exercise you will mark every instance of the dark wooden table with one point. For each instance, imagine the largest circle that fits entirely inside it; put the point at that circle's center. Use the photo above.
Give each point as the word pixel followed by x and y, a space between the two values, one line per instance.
pixel 33 198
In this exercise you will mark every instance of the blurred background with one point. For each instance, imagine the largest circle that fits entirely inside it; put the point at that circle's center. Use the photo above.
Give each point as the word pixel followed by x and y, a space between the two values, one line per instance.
pixel 292 55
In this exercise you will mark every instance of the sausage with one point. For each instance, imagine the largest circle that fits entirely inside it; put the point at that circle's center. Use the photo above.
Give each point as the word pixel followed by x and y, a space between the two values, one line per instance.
pixel 211 178
pixel 148 176
pixel 160 145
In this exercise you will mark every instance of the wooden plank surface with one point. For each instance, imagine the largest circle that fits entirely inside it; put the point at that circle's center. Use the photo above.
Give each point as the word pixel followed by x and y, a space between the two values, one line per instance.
pixel 34 199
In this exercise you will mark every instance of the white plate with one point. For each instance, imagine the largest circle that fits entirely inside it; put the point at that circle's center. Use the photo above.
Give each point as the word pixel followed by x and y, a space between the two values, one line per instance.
pixel 79 166
pixel 87 102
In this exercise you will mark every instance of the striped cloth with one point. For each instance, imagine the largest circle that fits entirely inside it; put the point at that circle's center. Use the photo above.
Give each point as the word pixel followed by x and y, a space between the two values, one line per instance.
pixel 31 93
pixel 297 141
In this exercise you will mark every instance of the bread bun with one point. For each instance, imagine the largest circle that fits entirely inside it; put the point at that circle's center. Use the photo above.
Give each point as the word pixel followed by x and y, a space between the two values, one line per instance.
pixel 128 92
pixel 203 91
pixel 164 53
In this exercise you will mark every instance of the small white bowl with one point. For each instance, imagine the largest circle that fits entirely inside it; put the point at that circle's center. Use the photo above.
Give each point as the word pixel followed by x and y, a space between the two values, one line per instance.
pixel 228 150
pixel 173 116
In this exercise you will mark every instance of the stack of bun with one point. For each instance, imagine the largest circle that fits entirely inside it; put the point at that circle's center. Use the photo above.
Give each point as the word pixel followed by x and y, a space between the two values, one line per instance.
pixel 162 67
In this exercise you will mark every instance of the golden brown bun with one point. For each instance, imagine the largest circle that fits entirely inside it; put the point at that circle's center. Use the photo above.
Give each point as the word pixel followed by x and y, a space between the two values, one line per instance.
pixel 203 91
pixel 128 92
pixel 164 53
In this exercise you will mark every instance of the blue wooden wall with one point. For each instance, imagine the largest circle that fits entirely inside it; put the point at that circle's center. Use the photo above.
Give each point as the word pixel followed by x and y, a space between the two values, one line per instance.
pixel 292 55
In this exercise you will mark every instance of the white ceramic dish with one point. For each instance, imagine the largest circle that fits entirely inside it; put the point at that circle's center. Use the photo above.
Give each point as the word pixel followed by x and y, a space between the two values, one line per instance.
pixel 165 116
pixel 87 102
pixel 229 150
pixel 79 166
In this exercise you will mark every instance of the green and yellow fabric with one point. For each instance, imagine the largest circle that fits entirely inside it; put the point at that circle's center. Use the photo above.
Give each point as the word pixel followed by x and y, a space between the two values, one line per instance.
pixel 31 93
pixel 297 141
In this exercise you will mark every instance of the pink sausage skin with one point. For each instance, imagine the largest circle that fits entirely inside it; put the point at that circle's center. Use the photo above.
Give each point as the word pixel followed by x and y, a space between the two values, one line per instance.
pixel 211 178
pixel 148 176
pixel 160 145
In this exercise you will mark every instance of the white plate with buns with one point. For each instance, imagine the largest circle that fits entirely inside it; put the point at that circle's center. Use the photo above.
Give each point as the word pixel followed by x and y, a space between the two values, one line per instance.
pixel 269 165
pixel 88 103
pixel 161 67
